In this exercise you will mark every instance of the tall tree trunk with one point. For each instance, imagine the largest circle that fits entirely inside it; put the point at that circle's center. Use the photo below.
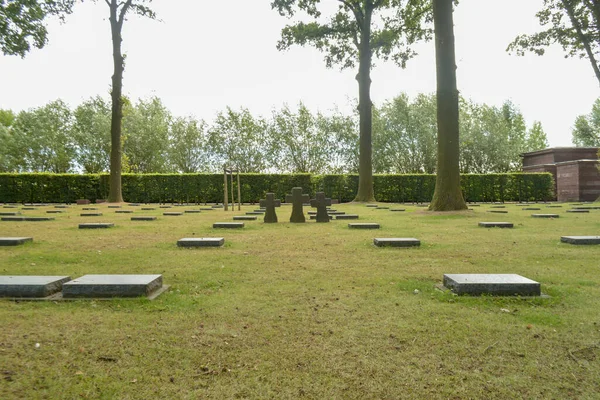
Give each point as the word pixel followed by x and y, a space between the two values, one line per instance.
pixel 115 194
pixel 365 109
pixel 448 195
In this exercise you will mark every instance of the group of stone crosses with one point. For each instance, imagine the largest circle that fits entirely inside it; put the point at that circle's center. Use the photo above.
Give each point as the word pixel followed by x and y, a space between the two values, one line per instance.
pixel 298 200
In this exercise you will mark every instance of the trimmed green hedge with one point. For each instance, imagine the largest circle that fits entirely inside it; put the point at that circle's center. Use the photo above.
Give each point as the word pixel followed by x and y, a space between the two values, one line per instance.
pixel 208 188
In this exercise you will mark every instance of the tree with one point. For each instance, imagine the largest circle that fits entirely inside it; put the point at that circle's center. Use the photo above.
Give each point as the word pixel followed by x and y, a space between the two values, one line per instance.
pixel 146 137
pixel 188 146
pixel 354 34
pixel 300 141
pixel 573 24
pixel 41 139
pixel 22 23
pixel 118 12
pixel 447 195
pixel 7 117
pixel 91 135
pixel 586 132
pixel 536 138
pixel 238 139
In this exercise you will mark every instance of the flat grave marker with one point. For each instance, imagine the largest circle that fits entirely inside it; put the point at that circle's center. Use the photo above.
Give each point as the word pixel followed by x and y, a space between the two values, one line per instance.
pixel 245 218
pixel 228 225
pixel 336 213
pixel 364 225
pixel 29 219
pixel 96 214
pixel 55 212
pixel 580 239
pixel 124 211
pixel 9 213
pixel 14 241
pixel 96 225
pixel 61 206
pixel 578 211
pixel 148 208
pixel 382 208
pixel 396 242
pixel 492 284
pixel 498 211
pixel 192 211
pixel 31 286
pixel 545 215
pixel 531 209
pixel 172 214
pixel 28 208
pixel 114 206
pixel 101 286
pixel 496 224
pixel 143 218
pixel 89 208
pixel 398 209
pixel 372 205
pixel 347 216
pixel 201 242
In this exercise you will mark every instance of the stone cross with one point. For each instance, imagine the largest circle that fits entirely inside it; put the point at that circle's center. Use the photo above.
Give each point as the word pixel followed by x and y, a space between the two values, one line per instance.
pixel 297 199
pixel 321 203
pixel 270 203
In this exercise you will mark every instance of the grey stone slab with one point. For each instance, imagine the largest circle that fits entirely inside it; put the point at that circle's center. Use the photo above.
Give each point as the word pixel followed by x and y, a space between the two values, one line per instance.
pixel 165 206
pixel 382 208
pixel 254 213
pixel 30 219
pixel 556 206
pixel 96 225
pixel 398 209
pixel 578 211
pixel 498 207
pixel 148 208
pixel 260 211
pixel 28 208
pixel 98 286
pixel 124 211
pixel 580 239
pixel 531 209
pixel 396 242
pixel 9 206
pixel 143 218
pixel 31 286
pixel 492 284
pixel 245 218
pixel 55 212
pixel 192 211
pixel 496 224
pixel 14 241
pixel 218 206
pixel 364 225
pixel 172 214
pixel 134 204
pixel 545 215
pixel 61 206
pixel 372 205
pixel 207 209
pixel 474 205
pixel 347 216
pixel 231 225
pixel 114 206
pixel 336 212
pixel 89 208
pixel 587 208
pixel 498 211
pixel 9 213
pixel 201 242
pixel 96 214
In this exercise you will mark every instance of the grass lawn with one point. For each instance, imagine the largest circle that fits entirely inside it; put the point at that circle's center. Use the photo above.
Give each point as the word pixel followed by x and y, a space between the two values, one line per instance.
pixel 316 311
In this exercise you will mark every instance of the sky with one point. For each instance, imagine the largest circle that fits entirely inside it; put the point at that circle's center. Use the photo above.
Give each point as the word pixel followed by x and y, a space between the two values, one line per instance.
pixel 203 56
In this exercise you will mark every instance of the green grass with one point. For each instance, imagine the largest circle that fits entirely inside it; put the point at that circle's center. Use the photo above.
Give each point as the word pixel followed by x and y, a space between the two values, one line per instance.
pixel 291 311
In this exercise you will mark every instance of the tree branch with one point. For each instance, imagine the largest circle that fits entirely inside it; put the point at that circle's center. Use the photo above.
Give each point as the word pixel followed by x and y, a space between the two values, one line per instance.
pixel 584 40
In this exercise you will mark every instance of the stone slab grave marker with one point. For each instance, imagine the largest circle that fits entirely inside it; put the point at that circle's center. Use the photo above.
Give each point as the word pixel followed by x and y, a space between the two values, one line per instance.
pixel 207 209
pixel 61 206
pixel 397 209
pixel 255 213
pixel 336 213
pixel 143 218
pixel 578 211
pixel 497 206
pixel 314 216
pixel 9 206
pixel 531 209
pixel 347 216
pixel 372 205
pixel 498 211
pixel 9 213
pixel 545 215
pixel 229 225
pixel 363 225
pixel 14 241
pixel 382 208
pixel 492 284
pixel 556 206
pixel 124 211
pixel 587 208
pixel 396 242
pixel 55 212
pixel 28 208
pixel 192 211
pixel 201 242
pixel 89 208
pixel 148 208
pixel 496 224
pixel 134 204
pixel 114 206
pixel 165 206
pixel 96 214
pixel 297 199
pixel 320 202
pixel 245 217
pixel 269 204
pixel 580 239
pixel 30 219
pixel 99 286
pixel 172 214
pixel 31 286
pixel 96 225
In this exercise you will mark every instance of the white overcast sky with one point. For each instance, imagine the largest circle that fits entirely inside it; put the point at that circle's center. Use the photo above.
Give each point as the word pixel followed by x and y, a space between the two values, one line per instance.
pixel 206 55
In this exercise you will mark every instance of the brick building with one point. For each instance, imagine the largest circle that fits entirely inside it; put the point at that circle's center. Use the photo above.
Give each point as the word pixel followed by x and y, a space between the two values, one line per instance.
pixel 575 171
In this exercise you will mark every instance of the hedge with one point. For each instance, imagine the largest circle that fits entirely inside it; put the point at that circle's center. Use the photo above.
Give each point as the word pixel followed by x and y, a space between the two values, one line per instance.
pixel 208 188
